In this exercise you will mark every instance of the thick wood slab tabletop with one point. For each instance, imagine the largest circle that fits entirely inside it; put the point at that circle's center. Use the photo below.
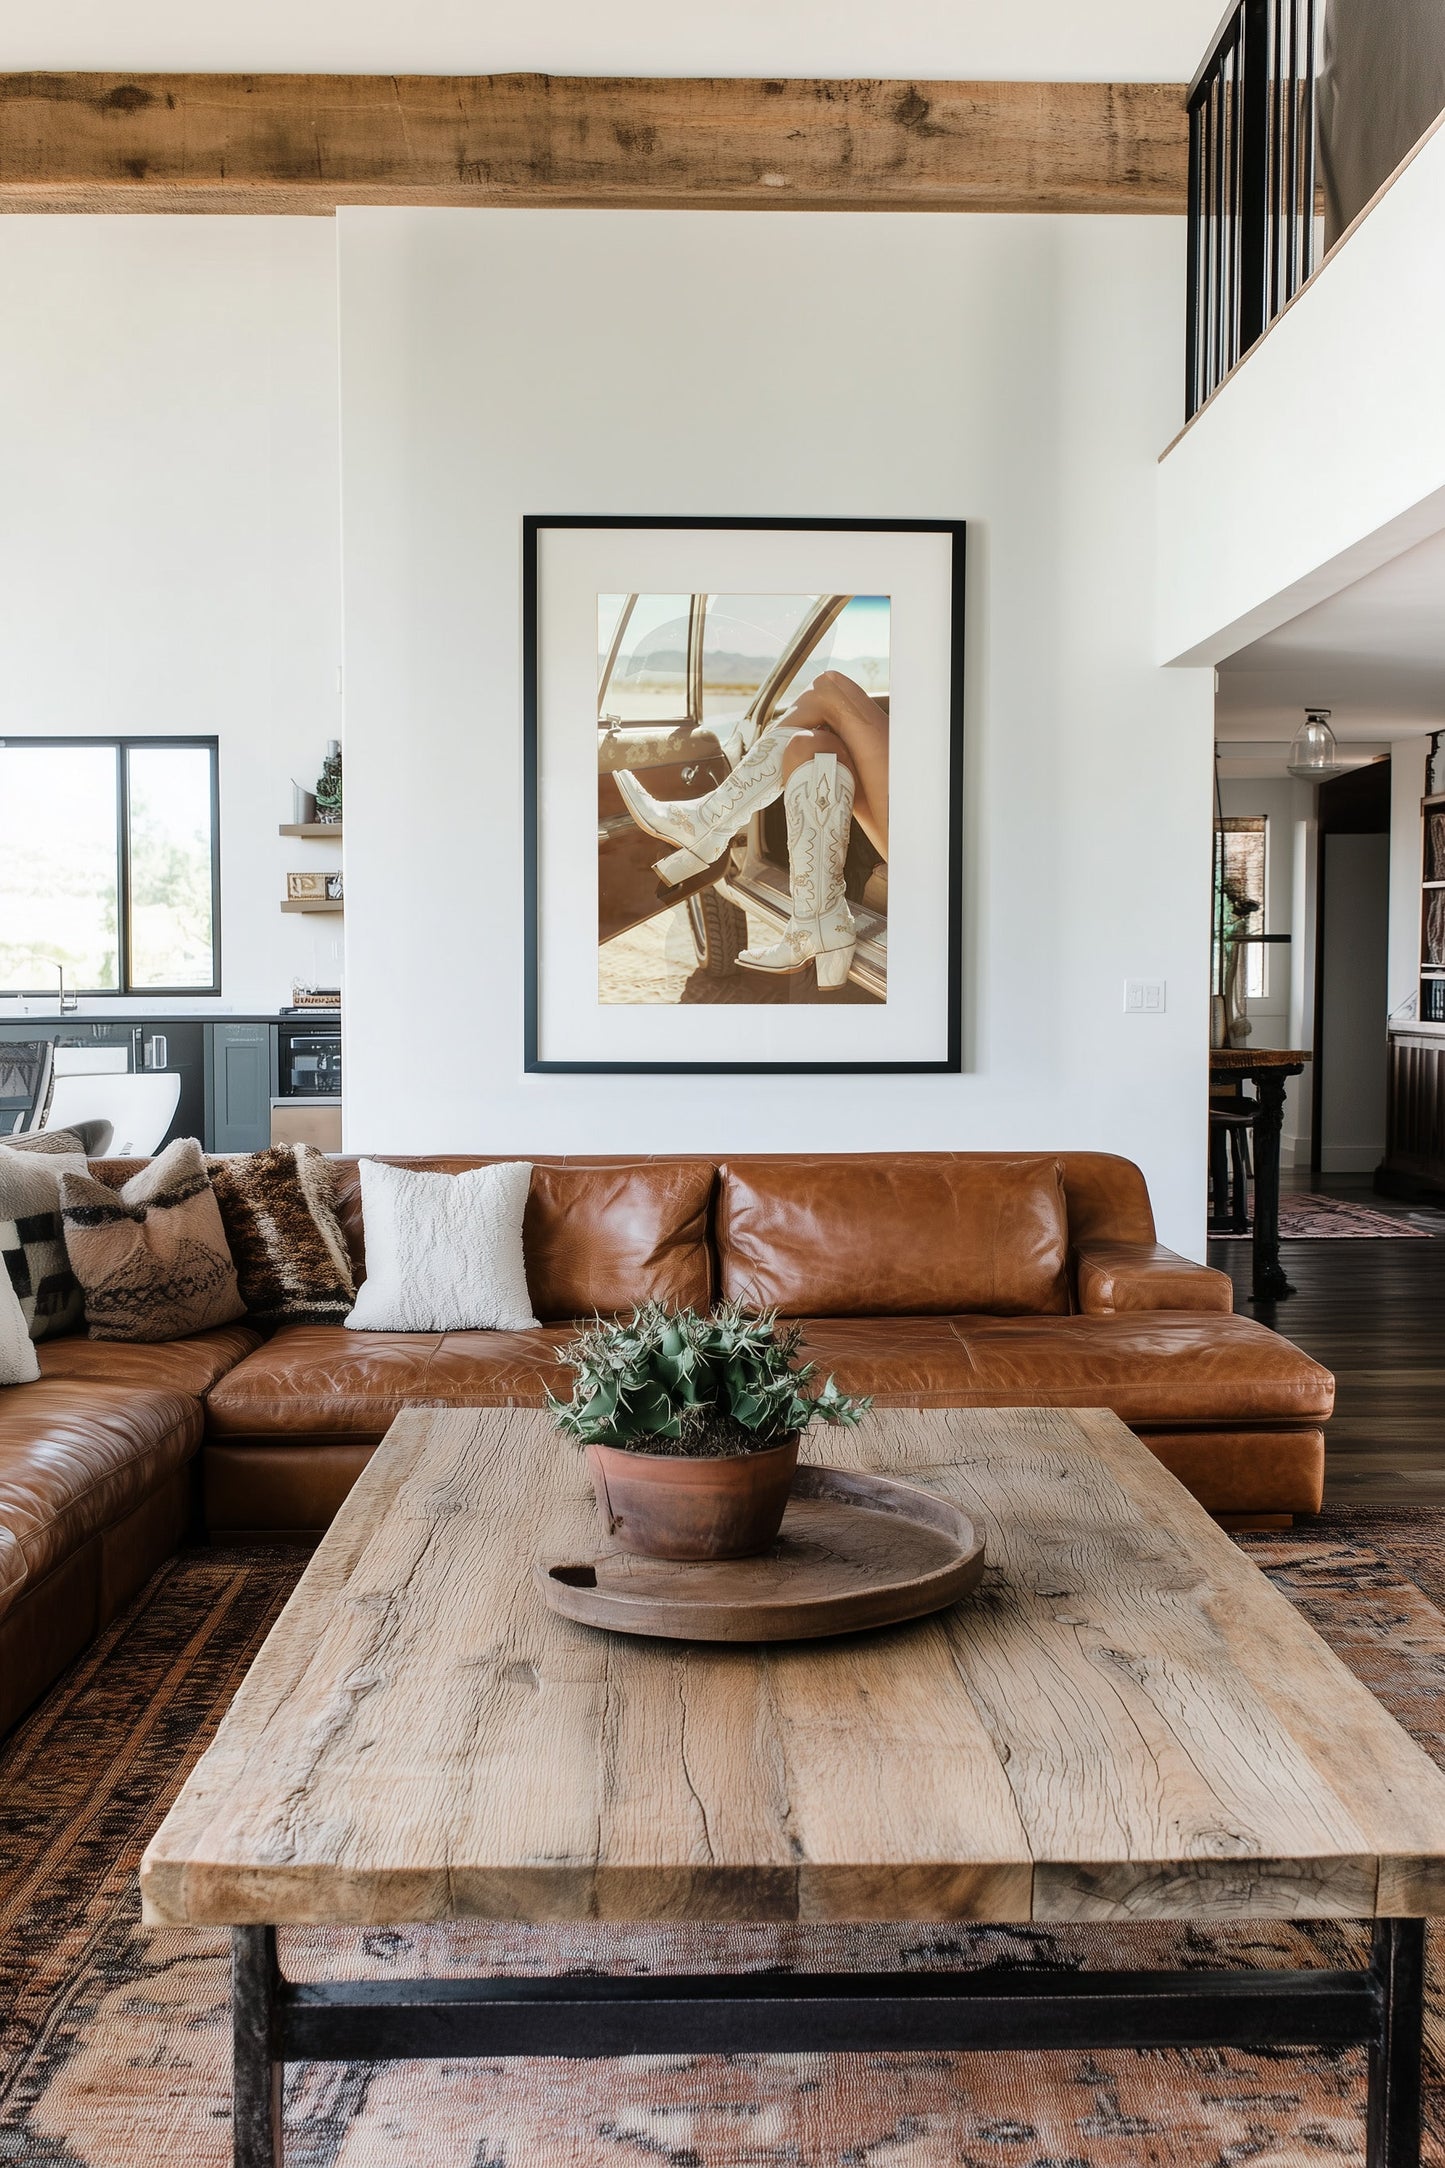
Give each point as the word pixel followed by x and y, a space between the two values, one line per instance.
pixel 1124 1721
pixel 1236 1060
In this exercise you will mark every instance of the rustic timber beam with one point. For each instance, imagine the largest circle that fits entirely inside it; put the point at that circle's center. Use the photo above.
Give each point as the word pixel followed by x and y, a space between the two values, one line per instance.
pixel 306 143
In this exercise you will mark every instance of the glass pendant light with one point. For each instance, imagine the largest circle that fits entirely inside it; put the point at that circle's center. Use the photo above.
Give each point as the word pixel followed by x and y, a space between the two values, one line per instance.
pixel 1314 755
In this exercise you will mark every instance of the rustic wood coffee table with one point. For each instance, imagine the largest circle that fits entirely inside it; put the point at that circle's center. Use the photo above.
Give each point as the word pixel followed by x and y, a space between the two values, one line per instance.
pixel 1126 1722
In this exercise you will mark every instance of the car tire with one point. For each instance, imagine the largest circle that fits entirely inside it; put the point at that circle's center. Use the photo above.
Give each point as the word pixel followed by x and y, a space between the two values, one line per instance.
pixel 719 930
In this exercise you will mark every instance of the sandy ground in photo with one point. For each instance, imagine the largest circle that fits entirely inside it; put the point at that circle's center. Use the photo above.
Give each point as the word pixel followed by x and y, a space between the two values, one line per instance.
pixel 657 962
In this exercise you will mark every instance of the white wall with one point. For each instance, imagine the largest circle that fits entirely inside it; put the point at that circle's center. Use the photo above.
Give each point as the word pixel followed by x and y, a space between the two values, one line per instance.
pixel 169 531
pixel 1057 40
pixel 1018 372
pixel 1324 456
pixel 1408 757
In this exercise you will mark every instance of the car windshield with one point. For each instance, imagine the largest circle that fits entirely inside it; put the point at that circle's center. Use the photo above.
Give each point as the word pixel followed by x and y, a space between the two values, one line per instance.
pixel 743 638
pixel 857 642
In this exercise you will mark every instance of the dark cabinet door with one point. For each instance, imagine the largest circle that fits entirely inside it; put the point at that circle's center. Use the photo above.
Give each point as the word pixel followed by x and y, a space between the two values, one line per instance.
pixel 239 1088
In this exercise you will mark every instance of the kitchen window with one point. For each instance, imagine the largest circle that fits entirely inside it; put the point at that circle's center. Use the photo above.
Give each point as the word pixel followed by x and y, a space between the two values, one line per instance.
pixel 109 865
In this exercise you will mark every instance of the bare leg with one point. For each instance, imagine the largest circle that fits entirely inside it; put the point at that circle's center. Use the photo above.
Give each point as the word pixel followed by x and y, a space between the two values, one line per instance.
pixel 838 705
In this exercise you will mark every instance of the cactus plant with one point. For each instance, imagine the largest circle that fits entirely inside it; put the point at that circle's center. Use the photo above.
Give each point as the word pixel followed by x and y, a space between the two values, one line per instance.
pixel 679 1383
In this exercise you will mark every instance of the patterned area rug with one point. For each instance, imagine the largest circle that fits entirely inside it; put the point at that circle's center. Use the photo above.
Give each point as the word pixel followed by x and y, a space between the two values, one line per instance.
pixel 113 2039
pixel 1305 1217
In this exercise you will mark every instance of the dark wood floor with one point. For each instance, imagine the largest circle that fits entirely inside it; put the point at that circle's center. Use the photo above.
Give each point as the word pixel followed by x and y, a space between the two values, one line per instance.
pixel 1374 1314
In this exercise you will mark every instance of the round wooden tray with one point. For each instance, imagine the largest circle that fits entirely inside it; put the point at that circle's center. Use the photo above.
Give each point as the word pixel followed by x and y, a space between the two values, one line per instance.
pixel 855 1551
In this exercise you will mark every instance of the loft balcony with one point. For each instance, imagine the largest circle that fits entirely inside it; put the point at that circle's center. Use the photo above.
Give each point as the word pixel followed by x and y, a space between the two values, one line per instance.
pixel 1315 449
pixel 1300 115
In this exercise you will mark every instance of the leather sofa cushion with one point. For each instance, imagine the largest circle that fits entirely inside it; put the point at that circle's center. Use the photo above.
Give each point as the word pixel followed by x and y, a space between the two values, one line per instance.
pixel 596 1238
pixel 76 1458
pixel 321 1381
pixel 895 1238
pixel 173 1366
pixel 1167 1368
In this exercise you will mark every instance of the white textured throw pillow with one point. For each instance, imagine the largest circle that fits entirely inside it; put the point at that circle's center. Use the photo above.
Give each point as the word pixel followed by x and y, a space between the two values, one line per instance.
pixel 443 1251
pixel 19 1364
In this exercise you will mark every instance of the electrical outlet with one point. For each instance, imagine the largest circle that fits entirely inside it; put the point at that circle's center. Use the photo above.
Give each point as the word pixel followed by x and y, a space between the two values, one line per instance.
pixel 1143 997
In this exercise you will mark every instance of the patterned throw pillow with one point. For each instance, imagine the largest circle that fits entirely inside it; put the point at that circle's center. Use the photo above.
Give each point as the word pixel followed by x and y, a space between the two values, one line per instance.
pixel 32 1241
pixel 151 1258
pixel 278 1208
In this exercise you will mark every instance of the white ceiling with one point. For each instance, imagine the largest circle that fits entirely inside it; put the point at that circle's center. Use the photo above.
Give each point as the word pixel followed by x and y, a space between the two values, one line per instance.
pixel 1058 40
pixel 1374 654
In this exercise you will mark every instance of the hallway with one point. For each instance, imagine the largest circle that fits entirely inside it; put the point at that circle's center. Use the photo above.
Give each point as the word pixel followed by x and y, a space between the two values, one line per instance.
pixel 1374 1313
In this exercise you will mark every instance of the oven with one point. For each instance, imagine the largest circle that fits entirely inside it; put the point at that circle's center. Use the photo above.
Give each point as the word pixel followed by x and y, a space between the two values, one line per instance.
pixel 308 1061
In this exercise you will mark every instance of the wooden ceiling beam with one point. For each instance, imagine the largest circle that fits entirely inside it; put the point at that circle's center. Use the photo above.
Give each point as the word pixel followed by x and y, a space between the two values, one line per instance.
pixel 306 143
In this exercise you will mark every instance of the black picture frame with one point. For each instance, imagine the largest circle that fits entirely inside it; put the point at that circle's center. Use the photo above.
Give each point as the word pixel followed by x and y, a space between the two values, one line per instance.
pixel 534 526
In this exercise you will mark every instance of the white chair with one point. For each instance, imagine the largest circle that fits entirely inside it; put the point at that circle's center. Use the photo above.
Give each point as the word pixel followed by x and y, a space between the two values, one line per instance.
pixel 141 1107
pixel 91 1061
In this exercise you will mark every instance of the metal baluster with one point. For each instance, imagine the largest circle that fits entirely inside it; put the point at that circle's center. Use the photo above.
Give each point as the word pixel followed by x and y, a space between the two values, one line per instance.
pixel 1307 254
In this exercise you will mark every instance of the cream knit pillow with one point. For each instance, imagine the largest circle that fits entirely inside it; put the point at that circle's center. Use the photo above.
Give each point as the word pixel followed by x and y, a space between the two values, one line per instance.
pixel 443 1251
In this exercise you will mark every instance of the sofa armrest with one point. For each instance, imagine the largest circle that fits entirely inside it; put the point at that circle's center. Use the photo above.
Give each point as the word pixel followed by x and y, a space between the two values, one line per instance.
pixel 1114 1276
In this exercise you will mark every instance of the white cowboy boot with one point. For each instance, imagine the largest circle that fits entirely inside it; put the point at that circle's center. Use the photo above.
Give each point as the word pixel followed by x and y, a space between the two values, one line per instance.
pixel 704 827
pixel 819 801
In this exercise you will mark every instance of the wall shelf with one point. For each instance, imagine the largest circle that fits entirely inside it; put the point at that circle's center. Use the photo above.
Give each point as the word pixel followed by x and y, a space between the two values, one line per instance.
pixel 318 831
pixel 313 903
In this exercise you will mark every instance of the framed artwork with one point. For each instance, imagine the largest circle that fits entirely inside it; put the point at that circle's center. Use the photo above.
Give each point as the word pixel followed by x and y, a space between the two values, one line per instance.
pixel 300 886
pixel 743 812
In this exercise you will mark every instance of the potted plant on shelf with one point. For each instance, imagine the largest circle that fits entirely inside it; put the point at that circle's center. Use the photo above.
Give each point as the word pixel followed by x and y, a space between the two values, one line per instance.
pixel 691 1425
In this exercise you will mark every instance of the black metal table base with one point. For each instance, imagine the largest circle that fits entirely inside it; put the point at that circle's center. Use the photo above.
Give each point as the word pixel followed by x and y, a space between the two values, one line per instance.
pixel 1378 2006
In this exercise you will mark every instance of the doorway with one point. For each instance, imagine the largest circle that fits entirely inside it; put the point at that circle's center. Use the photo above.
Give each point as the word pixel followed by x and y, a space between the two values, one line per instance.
pixel 1351 971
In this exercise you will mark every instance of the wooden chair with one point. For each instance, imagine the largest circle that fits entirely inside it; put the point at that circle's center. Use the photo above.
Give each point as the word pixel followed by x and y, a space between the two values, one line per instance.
pixel 1232 1116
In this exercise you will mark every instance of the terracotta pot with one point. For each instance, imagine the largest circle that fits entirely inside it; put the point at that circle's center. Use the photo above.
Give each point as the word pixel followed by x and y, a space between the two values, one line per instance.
pixel 664 1508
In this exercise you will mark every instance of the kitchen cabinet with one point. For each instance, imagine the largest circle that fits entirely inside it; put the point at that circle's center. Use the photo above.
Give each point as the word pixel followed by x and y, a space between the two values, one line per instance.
pixel 238 1087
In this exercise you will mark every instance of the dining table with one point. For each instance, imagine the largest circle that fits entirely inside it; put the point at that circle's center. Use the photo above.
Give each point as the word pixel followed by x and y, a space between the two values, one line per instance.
pixel 1268 1069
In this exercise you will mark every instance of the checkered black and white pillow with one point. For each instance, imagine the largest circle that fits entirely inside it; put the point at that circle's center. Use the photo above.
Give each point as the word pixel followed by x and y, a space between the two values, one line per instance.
pixel 32 1240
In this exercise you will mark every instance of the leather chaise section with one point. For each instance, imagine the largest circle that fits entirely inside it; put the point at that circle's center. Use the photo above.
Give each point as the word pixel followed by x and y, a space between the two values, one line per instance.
pixel 76 1459
pixel 1174 1369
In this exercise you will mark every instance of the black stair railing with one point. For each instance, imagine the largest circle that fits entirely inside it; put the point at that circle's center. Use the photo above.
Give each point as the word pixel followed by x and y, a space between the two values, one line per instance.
pixel 1251 183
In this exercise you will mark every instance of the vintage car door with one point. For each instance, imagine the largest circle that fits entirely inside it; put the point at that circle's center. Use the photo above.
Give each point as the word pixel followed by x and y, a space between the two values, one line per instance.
pixel 649 719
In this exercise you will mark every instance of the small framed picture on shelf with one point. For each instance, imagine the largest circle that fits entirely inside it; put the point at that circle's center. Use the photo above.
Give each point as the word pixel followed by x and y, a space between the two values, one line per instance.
pixel 333 887
pixel 305 887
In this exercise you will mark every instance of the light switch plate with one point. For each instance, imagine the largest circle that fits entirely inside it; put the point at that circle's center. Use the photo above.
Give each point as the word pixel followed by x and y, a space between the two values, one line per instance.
pixel 1144 997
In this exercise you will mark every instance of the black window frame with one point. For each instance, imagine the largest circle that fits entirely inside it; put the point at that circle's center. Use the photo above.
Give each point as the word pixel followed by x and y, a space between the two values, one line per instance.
pixel 122 747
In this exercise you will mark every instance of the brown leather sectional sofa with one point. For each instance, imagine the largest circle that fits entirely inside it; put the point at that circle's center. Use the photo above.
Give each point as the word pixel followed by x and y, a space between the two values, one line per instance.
pixel 926 1279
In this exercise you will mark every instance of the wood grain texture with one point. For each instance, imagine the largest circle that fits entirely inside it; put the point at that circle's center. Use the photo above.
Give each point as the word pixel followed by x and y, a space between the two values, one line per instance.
pixel 1125 1721
pixel 306 143
pixel 1240 1060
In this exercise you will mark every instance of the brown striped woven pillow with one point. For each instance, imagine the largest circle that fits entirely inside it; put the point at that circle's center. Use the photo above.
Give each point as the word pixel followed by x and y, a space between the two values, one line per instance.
pixel 278 1208
pixel 151 1258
